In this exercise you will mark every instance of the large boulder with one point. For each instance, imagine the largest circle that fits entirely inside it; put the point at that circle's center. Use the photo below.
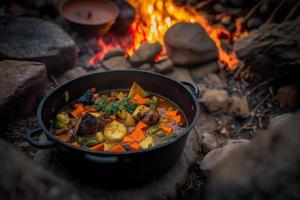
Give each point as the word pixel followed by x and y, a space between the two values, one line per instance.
pixel 21 179
pixel 21 85
pixel 188 44
pixel 37 40
pixel 267 168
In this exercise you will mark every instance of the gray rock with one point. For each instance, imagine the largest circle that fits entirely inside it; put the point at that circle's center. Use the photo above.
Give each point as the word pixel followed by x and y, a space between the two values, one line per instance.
pixel 209 142
pixel 165 66
pixel 215 81
pixel 216 100
pixel 22 179
pixel 204 69
pixel 72 73
pixel 146 67
pixel 115 63
pixel 113 53
pixel 37 40
pixel 22 84
pixel 267 168
pixel 182 74
pixel 145 54
pixel 239 106
pixel 188 44
pixel 214 157
pixel 278 122
pixel 163 188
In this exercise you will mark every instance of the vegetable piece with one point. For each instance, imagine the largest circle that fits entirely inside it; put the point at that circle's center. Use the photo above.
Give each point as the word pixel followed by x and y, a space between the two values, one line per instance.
pixel 153 102
pixel 115 131
pixel 136 89
pixel 171 113
pixel 134 146
pixel 59 125
pixel 79 140
pixel 107 146
pixel 152 130
pixel 63 137
pixel 120 96
pixel 75 144
pixel 129 120
pixel 165 120
pixel 176 118
pixel 117 148
pixel 113 117
pixel 140 112
pixel 138 135
pixel 78 111
pixel 166 128
pixel 100 137
pixel 139 100
pixel 98 147
pixel 148 142
pixel 87 98
pixel 92 142
pixel 141 125
pixel 160 133
pixel 128 139
pixel 151 117
pixel 96 114
pixel 63 118
pixel 122 114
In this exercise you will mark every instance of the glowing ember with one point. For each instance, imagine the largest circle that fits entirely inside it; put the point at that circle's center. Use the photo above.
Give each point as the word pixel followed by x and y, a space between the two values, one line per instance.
pixel 154 17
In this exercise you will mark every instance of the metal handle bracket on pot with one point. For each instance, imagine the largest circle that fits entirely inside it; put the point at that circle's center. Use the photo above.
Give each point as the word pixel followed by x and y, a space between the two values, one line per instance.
pixel 192 87
pixel 41 145
pixel 101 160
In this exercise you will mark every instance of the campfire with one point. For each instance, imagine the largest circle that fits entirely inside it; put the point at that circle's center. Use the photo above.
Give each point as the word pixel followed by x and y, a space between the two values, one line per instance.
pixel 154 18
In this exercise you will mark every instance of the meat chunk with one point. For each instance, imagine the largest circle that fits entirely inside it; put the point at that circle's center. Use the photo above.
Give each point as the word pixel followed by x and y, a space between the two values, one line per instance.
pixel 90 124
pixel 151 117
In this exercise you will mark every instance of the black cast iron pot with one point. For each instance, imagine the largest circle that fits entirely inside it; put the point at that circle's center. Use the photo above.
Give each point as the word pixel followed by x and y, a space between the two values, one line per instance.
pixel 130 166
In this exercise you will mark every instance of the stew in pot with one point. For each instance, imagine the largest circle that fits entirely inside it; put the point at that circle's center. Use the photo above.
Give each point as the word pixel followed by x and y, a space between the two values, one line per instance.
pixel 119 120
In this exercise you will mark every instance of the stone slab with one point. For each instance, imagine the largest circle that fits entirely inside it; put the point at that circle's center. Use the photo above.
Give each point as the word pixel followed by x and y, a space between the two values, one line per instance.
pixel 21 85
pixel 33 39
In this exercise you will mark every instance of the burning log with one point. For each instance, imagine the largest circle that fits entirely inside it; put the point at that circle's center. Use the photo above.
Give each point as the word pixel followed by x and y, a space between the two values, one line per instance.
pixel 273 50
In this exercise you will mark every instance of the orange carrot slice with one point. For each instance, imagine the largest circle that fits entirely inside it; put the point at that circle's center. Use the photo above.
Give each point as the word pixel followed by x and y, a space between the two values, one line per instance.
pixel 134 146
pixel 164 120
pixel 128 139
pixel 176 118
pixel 139 100
pixel 138 135
pixel 98 147
pixel 117 148
pixel 141 125
pixel 63 137
pixel 167 129
pixel 171 113
pixel 113 117
pixel 78 111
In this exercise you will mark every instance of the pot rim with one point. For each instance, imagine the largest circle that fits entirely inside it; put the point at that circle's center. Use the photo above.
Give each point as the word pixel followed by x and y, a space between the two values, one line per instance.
pixel 104 153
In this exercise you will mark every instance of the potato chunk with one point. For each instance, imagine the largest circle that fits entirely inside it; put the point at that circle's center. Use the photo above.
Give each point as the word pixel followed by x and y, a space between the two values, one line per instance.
pixel 136 89
pixel 140 112
pixel 115 131
pixel 148 142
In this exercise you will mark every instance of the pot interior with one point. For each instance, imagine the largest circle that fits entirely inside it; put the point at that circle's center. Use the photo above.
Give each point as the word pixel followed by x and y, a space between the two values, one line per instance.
pixel 151 82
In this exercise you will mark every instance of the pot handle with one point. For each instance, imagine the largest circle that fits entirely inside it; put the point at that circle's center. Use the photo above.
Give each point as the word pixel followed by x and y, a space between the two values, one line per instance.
pixel 192 87
pixel 41 145
pixel 101 160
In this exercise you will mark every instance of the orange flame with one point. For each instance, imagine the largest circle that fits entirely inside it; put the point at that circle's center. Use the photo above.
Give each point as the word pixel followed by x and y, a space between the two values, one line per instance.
pixel 155 17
